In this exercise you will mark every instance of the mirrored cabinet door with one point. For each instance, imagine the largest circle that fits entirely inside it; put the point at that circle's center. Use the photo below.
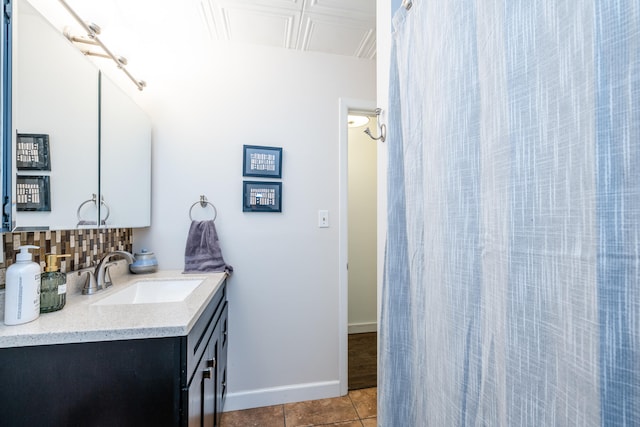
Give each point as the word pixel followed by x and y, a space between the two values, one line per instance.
pixel 55 127
pixel 5 121
pixel 125 159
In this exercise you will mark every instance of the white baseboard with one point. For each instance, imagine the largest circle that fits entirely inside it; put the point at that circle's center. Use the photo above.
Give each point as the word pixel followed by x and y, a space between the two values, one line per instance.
pixel 279 395
pixel 360 328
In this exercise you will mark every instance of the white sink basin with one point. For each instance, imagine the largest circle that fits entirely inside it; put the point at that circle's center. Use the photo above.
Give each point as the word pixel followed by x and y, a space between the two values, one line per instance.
pixel 152 292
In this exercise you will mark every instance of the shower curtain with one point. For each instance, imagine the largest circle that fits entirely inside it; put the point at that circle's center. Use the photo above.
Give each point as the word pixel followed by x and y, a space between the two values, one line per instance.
pixel 511 294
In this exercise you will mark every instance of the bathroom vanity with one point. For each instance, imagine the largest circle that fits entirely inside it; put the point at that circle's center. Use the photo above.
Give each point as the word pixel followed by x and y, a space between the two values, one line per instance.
pixel 121 364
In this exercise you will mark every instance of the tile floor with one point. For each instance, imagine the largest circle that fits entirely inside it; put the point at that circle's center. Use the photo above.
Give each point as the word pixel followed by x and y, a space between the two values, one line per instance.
pixel 357 409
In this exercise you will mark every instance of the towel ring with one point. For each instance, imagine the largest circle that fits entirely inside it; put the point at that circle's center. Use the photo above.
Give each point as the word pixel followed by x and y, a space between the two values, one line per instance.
pixel 203 202
pixel 94 200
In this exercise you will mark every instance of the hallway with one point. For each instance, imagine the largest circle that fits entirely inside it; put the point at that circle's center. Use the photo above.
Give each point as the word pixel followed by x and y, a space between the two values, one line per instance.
pixel 363 360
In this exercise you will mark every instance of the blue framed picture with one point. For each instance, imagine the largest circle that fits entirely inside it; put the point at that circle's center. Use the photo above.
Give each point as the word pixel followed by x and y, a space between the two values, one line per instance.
pixel 33 193
pixel 262 196
pixel 32 152
pixel 260 161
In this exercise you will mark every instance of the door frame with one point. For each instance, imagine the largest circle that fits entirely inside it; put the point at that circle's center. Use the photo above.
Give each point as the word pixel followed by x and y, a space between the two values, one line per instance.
pixel 345 104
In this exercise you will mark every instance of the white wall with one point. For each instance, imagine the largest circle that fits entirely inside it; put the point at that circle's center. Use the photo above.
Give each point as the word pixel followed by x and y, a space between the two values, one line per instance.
pixel 362 188
pixel 284 291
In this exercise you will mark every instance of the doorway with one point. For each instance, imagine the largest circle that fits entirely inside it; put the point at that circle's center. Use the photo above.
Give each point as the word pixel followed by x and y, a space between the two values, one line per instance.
pixel 358 243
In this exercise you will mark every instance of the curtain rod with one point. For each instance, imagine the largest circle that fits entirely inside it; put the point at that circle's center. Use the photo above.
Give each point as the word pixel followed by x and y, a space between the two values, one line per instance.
pixel 93 31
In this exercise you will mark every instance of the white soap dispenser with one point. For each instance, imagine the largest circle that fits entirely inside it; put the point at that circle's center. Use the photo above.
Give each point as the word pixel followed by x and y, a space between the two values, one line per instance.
pixel 22 294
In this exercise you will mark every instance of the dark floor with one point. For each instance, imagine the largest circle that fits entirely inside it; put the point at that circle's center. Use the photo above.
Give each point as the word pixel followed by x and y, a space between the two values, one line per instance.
pixel 356 409
pixel 363 363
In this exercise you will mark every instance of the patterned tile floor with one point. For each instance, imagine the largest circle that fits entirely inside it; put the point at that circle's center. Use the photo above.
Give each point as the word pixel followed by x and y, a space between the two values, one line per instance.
pixel 357 409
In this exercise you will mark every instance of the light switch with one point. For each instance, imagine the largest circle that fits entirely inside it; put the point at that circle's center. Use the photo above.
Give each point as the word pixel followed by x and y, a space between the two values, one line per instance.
pixel 323 218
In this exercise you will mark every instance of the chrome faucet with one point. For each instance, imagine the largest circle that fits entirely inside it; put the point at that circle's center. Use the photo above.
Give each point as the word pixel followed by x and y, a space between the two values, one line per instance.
pixel 104 264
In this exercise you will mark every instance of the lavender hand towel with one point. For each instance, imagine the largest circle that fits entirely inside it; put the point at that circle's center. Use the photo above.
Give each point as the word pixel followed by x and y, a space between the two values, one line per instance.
pixel 203 253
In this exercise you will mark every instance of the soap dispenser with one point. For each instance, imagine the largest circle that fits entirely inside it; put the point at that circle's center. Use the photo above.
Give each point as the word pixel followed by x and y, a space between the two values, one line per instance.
pixel 53 285
pixel 22 293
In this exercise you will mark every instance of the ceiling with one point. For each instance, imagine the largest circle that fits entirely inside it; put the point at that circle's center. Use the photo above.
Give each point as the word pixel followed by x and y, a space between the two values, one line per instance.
pixel 341 27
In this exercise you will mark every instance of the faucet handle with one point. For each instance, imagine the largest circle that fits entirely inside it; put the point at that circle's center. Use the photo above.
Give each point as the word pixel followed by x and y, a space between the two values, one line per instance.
pixel 90 286
pixel 107 274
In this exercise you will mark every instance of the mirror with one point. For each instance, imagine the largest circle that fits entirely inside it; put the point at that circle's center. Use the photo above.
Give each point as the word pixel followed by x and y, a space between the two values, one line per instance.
pixel 125 145
pixel 78 138
pixel 55 93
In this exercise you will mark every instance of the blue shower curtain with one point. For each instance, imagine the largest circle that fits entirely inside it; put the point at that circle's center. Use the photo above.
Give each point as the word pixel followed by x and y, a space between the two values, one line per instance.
pixel 511 294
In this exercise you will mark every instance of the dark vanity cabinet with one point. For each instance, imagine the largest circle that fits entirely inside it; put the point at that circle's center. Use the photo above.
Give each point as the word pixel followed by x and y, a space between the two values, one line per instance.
pixel 170 381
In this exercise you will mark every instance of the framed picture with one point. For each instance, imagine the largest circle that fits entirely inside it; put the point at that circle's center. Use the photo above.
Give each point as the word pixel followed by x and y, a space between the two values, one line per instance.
pixel 262 196
pixel 32 152
pixel 259 161
pixel 33 193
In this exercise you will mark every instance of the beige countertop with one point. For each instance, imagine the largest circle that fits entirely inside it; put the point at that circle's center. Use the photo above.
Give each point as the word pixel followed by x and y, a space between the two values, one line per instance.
pixel 82 321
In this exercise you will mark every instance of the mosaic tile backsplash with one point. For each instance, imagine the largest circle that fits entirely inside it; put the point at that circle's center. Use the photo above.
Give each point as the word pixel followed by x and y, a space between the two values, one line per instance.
pixel 86 247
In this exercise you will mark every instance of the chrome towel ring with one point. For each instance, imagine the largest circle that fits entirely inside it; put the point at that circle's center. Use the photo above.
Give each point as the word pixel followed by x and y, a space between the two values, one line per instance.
pixel 203 203
pixel 94 200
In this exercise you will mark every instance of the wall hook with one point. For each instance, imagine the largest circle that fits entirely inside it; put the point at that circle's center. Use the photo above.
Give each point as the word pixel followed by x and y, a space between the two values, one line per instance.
pixel 383 128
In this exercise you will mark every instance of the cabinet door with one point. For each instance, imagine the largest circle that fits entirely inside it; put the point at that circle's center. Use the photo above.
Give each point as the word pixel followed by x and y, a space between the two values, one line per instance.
pixel 209 385
pixel 196 394
pixel 5 110
pixel 221 362
pixel 125 159
pixel 55 92
pixel 202 390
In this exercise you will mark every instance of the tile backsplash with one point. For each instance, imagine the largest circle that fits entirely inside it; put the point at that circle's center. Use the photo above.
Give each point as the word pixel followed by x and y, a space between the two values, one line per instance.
pixel 86 246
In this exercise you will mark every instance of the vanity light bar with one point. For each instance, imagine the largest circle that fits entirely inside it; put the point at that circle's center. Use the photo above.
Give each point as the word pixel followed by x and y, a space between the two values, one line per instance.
pixel 93 31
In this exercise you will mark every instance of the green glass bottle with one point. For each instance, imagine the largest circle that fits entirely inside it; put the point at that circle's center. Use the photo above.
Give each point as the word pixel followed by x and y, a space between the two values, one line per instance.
pixel 53 286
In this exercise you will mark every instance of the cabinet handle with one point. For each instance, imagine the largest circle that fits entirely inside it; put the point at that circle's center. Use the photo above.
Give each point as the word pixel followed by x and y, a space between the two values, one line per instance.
pixel 206 374
pixel 211 363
